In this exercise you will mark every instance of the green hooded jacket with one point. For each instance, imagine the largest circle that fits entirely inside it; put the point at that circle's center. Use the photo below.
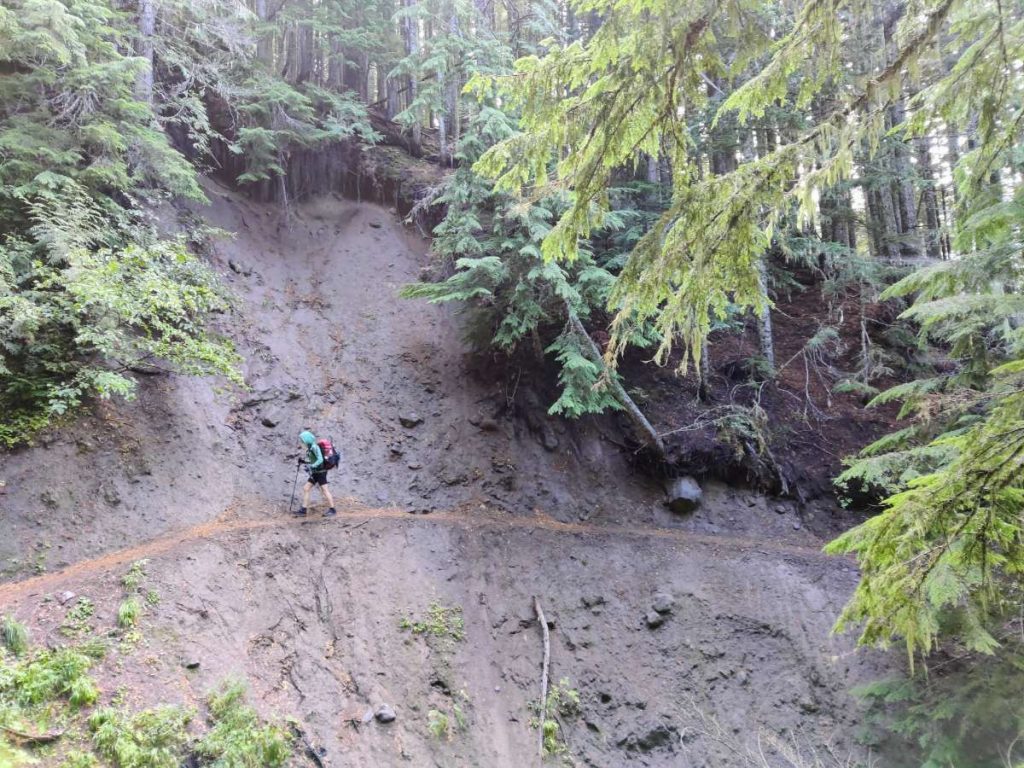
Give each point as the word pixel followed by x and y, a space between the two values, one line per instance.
pixel 314 456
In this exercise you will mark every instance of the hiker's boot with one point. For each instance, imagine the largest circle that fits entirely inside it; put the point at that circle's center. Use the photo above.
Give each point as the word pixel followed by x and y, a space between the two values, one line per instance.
pixel 330 512
pixel 300 512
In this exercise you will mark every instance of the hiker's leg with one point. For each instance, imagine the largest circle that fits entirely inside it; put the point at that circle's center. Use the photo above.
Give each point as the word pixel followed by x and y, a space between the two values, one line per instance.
pixel 327 495
pixel 305 493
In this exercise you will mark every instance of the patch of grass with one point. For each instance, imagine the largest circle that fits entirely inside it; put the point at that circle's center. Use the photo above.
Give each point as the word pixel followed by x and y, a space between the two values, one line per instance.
pixel 15 636
pixel 443 725
pixel 441 621
pixel 128 613
pixel 78 759
pixel 237 738
pixel 152 738
pixel 439 725
pixel 133 578
pixel 563 701
pixel 47 677
pixel 152 597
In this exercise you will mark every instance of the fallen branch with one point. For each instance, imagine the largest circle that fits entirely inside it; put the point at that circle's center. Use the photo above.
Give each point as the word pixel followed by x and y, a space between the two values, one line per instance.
pixel 312 751
pixel 543 676
pixel 23 738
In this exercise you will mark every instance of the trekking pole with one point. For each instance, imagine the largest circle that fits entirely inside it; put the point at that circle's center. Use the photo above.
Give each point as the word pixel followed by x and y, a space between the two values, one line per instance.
pixel 295 485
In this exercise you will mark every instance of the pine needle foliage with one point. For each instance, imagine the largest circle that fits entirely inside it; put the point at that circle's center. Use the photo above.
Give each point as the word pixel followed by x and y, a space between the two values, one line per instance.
pixel 950 538
pixel 513 296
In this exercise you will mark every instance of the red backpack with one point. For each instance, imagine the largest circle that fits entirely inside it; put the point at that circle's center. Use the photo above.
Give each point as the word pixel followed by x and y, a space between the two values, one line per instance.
pixel 331 456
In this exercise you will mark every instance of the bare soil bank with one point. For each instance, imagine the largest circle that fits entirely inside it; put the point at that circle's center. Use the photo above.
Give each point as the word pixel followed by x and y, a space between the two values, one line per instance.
pixel 466 509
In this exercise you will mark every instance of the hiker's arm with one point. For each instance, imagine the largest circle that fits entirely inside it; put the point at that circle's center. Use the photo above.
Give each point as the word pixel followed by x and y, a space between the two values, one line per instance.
pixel 319 459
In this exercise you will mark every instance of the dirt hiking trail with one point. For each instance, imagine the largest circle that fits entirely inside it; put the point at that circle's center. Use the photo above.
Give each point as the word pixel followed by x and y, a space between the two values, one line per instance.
pixel 351 513
pixel 447 498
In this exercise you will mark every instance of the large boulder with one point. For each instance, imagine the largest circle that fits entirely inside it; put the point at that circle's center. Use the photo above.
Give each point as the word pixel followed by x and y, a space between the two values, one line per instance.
pixel 683 494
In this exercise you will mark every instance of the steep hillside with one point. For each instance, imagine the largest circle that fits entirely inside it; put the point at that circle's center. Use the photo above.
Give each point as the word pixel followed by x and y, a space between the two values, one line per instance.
pixel 447 501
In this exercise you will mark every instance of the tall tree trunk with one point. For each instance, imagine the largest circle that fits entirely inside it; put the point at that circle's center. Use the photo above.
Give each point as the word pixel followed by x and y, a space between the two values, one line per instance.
pixel 904 199
pixel 764 320
pixel 442 133
pixel 147 29
pixel 410 29
pixel 265 42
pixel 929 202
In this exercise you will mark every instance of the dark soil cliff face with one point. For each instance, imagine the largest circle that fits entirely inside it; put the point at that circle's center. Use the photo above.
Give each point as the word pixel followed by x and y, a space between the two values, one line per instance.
pixel 445 500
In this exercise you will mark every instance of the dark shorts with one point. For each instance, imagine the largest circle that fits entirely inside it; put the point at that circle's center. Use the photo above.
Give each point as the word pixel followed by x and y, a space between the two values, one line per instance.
pixel 318 478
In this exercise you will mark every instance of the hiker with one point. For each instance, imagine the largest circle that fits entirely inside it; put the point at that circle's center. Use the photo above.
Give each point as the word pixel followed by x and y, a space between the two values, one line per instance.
pixel 316 467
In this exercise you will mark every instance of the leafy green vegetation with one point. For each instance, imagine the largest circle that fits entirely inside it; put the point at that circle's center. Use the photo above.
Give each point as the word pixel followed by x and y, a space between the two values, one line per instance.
pixel 236 738
pixel 969 715
pixel 441 621
pixel 128 613
pixel 563 702
pixel 15 636
pixel 52 690
pixel 153 738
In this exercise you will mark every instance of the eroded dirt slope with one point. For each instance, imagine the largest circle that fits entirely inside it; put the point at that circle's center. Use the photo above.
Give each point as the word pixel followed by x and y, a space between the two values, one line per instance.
pixel 468 509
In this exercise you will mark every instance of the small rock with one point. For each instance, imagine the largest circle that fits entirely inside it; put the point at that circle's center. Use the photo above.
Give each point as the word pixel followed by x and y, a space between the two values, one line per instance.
pixel 589 601
pixel 190 663
pixel 488 425
pixel 65 597
pixel 410 420
pixel 377 225
pixel 367 716
pixel 270 421
pixel 385 714
pixel 111 496
pixel 796 526
pixel 663 602
pixel 414 465
pixel 396 451
pixel 239 268
pixel 654 619
pixel 684 494
pixel 780 509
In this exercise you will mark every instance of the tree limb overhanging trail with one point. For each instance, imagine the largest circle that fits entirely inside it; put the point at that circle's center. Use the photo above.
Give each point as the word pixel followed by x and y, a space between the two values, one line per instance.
pixel 351 510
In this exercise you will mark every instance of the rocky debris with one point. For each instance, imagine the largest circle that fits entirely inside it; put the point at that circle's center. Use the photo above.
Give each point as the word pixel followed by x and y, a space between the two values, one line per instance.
pixel 111 495
pixel 654 619
pixel 684 494
pixel 385 714
pixel 376 224
pixel 592 601
pixel 239 268
pixel 270 420
pixel 410 420
pixel 548 438
pixel 65 597
pixel 663 602
pixel 367 716
pixel 262 396
pixel 658 736
pixel 190 663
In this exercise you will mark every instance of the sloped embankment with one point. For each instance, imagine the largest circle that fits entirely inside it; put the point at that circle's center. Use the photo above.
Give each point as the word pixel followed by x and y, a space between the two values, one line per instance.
pixel 449 503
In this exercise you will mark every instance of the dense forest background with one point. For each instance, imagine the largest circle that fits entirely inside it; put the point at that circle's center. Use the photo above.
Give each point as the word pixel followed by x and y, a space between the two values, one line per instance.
pixel 617 181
